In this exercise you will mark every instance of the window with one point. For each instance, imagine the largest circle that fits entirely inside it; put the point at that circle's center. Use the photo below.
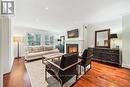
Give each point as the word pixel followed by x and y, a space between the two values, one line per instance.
pixel 49 40
pixel 33 39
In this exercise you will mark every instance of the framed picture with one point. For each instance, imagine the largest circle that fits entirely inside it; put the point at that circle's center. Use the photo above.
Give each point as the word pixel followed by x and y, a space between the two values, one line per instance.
pixel 73 33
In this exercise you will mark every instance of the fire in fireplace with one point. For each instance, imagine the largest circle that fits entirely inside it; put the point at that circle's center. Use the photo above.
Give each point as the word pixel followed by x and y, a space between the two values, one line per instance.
pixel 70 48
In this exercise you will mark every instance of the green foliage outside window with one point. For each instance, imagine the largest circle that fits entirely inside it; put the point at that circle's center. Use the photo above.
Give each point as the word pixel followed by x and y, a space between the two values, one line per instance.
pixel 33 39
pixel 49 40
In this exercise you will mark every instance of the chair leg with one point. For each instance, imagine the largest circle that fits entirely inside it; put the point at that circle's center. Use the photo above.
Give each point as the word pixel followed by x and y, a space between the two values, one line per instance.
pixel 84 69
pixel 61 84
pixel 45 75
pixel 77 75
pixel 90 65
pixel 80 69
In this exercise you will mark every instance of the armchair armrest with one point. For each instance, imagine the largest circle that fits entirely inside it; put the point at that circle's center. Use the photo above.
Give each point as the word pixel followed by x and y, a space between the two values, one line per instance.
pixel 54 64
pixel 80 57
pixel 63 69
pixel 90 56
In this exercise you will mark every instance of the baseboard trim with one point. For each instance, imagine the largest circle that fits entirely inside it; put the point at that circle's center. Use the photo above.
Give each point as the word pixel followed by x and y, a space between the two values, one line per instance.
pixel 126 66
pixel 19 57
pixel 6 74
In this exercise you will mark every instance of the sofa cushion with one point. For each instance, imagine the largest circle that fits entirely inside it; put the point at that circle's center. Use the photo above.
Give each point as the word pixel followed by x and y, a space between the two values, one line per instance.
pixel 37 49
pixel 35 54
pixel 48 48
pixel 28 49
pixel 41 53
pixel 33 49
pixel 50 52
pixel 54 51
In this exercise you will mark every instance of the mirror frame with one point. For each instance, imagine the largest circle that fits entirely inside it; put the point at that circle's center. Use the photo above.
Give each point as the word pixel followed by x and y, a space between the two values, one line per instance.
pixel 108 30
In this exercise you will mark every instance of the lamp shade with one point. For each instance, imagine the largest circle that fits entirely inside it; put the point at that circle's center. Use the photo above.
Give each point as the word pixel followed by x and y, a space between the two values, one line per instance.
pixel 18 39
pixel 114 36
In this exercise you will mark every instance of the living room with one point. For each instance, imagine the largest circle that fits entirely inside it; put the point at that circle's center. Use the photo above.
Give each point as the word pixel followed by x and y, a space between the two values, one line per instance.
pixel 36 34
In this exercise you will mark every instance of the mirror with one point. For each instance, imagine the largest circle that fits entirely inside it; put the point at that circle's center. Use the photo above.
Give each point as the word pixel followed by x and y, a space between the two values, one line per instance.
pixel 102 38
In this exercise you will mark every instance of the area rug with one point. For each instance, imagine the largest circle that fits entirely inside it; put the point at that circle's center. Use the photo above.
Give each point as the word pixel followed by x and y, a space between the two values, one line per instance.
pixel 36 71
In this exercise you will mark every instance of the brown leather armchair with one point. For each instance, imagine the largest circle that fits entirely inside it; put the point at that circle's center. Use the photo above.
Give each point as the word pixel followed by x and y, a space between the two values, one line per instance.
pixel 86 59
pixel 64 69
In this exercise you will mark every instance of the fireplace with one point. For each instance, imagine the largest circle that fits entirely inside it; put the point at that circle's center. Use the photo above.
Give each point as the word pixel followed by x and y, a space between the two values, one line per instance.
pixel 70 48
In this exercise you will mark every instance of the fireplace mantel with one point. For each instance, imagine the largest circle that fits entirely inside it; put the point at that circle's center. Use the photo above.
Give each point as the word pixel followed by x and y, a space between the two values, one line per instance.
pixel 73 40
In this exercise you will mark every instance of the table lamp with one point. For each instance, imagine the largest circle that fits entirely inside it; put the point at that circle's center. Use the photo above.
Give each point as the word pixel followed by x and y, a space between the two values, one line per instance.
pixel 113 37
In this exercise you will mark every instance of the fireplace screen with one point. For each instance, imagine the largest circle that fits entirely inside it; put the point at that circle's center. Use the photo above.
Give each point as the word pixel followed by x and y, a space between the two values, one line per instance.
pixel 70 48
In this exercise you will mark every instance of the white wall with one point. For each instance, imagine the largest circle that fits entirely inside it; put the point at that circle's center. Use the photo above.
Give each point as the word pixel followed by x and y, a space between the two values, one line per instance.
pixel 1 65
pixel 114 25
pixel 6 59
pixel 126 41
pixel 6 55
pixel 22 31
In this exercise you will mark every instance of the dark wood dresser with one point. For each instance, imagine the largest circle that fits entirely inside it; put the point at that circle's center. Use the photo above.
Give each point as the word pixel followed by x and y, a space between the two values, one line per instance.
pixel 106 55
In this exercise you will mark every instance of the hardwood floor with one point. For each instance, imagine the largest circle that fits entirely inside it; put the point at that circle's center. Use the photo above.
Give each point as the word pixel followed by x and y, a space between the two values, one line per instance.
pixel 105 76
pixel 18 76
pixel 100 75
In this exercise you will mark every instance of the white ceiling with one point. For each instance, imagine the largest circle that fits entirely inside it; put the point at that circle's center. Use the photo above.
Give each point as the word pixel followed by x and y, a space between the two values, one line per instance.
pixel 59 14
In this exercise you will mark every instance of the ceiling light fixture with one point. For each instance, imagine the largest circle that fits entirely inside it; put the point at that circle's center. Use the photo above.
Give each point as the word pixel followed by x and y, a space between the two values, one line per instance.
pixel 46 8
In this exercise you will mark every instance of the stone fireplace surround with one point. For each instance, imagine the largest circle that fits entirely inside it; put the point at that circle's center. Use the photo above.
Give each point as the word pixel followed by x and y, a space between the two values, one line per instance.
pixel 80 44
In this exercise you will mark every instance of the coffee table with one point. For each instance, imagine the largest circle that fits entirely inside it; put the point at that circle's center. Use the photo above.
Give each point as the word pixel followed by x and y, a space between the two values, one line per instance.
pixel 51 56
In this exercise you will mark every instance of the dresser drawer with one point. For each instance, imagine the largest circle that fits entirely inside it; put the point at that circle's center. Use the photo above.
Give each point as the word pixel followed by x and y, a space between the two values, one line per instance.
pixel 107 55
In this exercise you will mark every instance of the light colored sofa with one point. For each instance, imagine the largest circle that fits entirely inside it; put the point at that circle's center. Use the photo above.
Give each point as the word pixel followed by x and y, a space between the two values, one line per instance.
pixel 36 52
